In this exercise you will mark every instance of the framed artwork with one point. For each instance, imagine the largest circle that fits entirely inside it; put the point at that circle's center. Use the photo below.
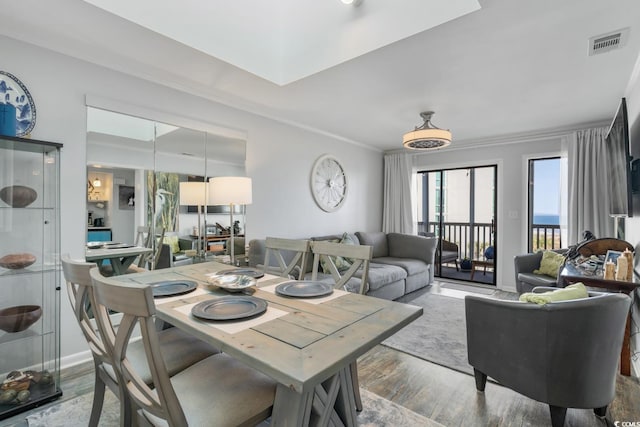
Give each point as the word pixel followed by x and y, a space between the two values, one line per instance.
pixel 612 256
pixel 163 189
pixel 126 198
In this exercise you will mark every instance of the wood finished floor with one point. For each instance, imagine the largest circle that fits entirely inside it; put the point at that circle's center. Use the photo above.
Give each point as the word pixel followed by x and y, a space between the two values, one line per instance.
pixel 436 392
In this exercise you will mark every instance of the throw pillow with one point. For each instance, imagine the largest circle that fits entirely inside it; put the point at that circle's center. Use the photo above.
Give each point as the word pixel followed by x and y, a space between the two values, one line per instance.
pixel 349 239
pixel 575 291
pixel 340 262
pixel 550 264
pixel 172 241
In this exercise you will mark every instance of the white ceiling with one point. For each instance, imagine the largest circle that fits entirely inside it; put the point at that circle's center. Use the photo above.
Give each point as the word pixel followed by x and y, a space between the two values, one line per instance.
pixel 514 66
pixel 285 40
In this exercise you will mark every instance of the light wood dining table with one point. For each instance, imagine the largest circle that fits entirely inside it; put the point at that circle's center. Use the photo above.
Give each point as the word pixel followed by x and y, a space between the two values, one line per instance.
pixel 305 344
pixel 120 258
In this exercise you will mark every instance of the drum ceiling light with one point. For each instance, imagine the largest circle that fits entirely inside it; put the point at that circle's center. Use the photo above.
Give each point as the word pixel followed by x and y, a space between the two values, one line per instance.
pixel 427 136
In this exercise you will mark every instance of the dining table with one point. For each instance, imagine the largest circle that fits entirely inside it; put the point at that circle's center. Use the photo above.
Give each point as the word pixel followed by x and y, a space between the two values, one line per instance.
pixel 306 344
pixel 121 256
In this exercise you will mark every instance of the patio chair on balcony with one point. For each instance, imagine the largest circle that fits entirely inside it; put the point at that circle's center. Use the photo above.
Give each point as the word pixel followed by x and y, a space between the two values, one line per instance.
pixel 447 252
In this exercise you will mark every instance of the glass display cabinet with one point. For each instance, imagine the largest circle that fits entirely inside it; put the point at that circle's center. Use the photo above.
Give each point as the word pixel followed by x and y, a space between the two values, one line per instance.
pixel 29 274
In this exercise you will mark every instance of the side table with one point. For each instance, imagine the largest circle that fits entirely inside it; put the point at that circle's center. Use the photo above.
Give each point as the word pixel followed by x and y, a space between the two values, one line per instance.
pixel 480 263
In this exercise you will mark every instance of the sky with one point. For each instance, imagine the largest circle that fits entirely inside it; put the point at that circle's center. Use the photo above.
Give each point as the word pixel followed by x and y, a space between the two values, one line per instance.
pixel 546 188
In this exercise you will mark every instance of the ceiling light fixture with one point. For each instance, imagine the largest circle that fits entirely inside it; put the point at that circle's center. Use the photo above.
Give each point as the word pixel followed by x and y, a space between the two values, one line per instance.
pixel 427 136
pixel 352 2
pixel 97 183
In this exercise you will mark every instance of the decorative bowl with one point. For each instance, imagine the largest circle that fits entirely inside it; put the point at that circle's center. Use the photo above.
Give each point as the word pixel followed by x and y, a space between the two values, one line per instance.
pixel 232 282
pixel 18 196
pixel 17 261
pixel 19 318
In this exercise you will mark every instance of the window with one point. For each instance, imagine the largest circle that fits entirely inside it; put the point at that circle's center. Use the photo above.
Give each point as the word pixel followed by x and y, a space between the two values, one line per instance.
pixel 545 203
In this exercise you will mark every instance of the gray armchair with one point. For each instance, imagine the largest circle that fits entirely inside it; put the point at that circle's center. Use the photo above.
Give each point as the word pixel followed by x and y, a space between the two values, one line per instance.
pixel 167 258
pixel 564 353
pixel 526 279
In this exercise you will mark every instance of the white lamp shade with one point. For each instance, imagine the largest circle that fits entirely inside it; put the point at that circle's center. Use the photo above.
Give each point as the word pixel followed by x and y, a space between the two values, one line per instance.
pixel 193 193
pixel 226 190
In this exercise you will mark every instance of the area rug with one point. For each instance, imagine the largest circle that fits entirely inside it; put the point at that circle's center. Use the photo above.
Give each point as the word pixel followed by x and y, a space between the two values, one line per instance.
pixel 440 334
pixel 377 412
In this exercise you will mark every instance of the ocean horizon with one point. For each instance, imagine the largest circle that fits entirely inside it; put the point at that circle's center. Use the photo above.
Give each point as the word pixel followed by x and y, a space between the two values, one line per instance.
pixel 546 219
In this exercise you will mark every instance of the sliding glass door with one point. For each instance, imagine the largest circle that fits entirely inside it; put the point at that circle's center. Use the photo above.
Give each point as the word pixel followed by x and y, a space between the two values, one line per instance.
pixel 459 207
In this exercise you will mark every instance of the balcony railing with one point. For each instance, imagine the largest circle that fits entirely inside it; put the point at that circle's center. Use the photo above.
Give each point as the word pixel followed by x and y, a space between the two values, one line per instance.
pixel 473 239
pixel 545 236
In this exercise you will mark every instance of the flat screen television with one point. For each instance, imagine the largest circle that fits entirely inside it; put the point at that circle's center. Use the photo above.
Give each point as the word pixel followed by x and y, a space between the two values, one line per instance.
pixel 619 162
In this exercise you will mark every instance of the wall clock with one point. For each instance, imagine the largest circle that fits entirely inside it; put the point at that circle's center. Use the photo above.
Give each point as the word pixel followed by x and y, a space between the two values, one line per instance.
pixel 328 183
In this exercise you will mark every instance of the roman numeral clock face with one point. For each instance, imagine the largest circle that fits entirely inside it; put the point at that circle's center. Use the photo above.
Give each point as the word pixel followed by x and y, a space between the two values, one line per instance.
pixel 328 183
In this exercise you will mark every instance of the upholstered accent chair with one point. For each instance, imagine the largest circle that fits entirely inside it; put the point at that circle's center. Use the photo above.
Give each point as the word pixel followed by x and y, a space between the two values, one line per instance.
pixel 526 279
pixel 562 353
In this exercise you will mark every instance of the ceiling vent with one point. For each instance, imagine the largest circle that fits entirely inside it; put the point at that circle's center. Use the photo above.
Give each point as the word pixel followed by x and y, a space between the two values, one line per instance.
pixel 607 42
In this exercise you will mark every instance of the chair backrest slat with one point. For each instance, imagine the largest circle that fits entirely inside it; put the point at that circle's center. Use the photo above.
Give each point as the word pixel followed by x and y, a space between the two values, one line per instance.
pixel 274 246
pixel 359 255
pixel 136 304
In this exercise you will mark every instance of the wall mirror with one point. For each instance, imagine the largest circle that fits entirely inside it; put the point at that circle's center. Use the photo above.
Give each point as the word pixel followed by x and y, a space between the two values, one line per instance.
pixel 135 167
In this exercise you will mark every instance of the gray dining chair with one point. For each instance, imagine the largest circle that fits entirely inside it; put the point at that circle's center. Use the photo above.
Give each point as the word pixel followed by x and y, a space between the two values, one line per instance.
pixel 217 391
pixel 179 350
pixel 359 258
pixel 289 254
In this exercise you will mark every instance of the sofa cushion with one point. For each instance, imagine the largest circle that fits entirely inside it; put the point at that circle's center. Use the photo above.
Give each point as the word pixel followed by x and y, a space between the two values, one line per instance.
pixel 383 274
pixel 377 239
pixel 536 279
pixel 411 266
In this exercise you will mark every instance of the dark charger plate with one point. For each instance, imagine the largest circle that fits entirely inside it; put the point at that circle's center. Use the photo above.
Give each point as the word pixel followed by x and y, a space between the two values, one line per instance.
pixel 169 288
pixel 230 308
pixel 304 289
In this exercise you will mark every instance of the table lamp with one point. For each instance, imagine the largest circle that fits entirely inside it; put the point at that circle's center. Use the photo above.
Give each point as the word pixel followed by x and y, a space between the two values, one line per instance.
pixel 230 190
pixel 194 193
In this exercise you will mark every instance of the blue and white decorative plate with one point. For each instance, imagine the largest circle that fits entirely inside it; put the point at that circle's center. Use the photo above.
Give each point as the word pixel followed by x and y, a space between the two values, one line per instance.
pixel 13 92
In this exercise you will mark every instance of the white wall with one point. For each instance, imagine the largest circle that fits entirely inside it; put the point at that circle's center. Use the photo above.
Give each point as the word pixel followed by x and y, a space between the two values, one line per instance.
pixel 511 159
pixel 279 157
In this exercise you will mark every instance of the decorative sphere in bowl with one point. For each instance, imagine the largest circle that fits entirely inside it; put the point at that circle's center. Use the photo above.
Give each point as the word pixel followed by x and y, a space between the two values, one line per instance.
pixel 19 318
pixel 17 261
pixel 232 282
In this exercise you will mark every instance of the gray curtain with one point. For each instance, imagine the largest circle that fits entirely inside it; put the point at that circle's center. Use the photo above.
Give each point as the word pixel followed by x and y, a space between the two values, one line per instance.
pixel 588 185
pixel 397 216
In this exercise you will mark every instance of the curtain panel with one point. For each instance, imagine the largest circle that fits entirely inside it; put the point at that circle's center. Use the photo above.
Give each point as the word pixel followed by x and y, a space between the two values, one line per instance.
pixel 397 215
pixel 588 185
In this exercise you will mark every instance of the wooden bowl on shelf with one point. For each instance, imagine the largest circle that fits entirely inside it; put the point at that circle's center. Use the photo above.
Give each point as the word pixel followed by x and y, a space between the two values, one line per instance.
pixel 18 196
pixel 17 261
pixel 19 318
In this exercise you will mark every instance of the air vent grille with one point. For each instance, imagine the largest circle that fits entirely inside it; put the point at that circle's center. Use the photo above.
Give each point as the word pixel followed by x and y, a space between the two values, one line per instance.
pixel 608 42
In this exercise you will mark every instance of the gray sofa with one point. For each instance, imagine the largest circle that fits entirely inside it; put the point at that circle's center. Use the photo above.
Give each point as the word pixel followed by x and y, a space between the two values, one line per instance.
pixel 401 263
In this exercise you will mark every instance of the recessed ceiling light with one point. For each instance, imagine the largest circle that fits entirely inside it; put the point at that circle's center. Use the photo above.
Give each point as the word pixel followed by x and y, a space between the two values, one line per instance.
pixel 352 2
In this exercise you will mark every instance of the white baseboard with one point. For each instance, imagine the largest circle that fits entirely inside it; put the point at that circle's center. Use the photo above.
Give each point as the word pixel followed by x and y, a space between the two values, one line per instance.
pixel 75 359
